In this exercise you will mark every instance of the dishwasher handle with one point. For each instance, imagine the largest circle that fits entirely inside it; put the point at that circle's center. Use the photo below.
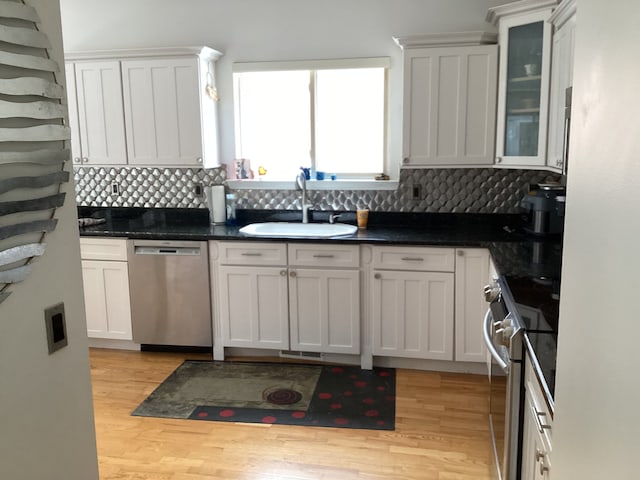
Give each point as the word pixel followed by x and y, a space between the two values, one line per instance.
pixel 174 251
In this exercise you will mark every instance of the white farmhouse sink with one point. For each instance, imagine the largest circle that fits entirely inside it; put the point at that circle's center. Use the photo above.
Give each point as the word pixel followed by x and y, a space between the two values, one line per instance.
pixel 286 229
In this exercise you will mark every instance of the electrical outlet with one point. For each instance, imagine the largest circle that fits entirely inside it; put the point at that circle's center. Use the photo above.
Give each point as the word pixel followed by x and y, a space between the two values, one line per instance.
pixel 56 326
pixel 416 191
pixel 115 189
pixel 198 190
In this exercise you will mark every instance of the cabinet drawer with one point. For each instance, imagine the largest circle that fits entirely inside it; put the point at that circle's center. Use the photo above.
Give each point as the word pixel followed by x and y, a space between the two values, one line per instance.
pixel 425 259
pixel 253 253
pixel 114 249
pixel 540 410
pixel 314 255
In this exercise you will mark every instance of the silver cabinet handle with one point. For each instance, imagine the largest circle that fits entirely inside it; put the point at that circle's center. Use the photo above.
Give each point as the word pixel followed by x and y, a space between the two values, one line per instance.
pixel 539 455
pixel 251 254
pixel 323 255
pixel 412 259
pixel 541 426
pixel 85 160
pixel 77 160
pixel 543 468
pixel 293 274
pixel 199 160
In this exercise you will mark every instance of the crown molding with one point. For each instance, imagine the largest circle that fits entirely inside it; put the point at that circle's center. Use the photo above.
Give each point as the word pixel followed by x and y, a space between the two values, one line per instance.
pixel 450 39
pixel 517 8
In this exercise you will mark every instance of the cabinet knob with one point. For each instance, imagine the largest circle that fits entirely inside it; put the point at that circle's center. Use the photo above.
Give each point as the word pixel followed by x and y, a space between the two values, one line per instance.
pixel 377 276
pixel 77 160
pixel 405 160
pixel 85 160
pixel 498 159
pixel 199 159
pixel 283 273
pixel 293 274
pixel 460 253
pixel 543 468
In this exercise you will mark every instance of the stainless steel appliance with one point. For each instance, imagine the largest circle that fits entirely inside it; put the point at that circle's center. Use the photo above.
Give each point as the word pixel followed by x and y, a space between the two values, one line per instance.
pixel 170 293
pixel 503 334
pixel 544 207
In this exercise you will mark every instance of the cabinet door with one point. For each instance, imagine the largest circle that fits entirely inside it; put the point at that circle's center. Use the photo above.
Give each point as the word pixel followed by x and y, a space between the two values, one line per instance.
pixel 472 274
pixel 254 307
pixel 100 114
pixel 561 79
pixel 450 105
pixel 525 54
pixel 325 310
pixel 412 314
pixel 535 457
pixel 106 296
pixel 162 111
pixel 72 105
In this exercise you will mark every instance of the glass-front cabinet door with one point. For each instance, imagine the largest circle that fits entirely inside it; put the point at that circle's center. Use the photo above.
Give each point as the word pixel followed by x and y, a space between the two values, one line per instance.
pixel 523 97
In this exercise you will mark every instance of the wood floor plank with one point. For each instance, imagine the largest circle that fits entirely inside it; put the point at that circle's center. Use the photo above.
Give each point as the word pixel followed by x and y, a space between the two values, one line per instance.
pixel 441 433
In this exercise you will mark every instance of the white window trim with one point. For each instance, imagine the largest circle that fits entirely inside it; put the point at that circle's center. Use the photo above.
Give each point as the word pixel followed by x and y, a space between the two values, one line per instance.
pixel 353 184
pixel 392 168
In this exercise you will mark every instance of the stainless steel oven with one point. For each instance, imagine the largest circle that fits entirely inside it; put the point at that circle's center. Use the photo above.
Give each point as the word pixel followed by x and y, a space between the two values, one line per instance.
pixel 503 334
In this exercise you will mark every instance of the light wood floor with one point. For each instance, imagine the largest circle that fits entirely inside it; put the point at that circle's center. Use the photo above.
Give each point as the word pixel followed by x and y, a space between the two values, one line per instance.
pixel 441 433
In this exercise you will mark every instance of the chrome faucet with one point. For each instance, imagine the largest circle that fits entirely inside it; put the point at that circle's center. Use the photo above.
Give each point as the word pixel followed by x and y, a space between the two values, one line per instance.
pixel 301 184
pixel 333 217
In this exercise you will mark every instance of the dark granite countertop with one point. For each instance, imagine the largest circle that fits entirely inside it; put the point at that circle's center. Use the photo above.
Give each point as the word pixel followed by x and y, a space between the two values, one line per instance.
pixel 529 265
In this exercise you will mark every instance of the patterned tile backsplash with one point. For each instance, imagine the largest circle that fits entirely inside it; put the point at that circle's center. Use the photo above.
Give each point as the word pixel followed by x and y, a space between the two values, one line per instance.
pixel 452 190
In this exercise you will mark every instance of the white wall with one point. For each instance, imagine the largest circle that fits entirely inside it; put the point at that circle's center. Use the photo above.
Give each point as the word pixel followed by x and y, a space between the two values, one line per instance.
pixel 46 414
pixel 597 423
pixel 264 30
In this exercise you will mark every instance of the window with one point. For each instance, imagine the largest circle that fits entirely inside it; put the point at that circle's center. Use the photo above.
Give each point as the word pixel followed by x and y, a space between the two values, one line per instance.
pixel 327 115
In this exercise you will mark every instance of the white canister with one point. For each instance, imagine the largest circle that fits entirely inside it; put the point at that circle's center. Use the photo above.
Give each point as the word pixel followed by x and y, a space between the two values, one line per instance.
pixel 216 203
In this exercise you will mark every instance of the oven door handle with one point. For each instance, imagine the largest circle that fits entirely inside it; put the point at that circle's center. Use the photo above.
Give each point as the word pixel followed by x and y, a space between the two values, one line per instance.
pixel 488 340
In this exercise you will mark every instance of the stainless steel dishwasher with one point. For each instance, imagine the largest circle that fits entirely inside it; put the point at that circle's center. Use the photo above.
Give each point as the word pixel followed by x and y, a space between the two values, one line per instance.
pixel 170 294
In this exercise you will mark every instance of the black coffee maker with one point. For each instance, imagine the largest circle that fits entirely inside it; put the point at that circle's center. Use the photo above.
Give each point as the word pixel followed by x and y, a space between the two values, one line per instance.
pixel 543 208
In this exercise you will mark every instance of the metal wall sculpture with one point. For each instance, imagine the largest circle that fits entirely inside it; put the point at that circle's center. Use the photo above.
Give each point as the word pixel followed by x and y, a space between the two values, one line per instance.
pixel 33 142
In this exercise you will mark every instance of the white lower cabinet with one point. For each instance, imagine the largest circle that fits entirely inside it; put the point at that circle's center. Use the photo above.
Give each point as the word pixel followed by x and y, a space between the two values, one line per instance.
pixel 536 437
pixel 412 302
pixel 106 288
pixel 303 297
pixel 472 273
pixel 324 310
pixel 253 306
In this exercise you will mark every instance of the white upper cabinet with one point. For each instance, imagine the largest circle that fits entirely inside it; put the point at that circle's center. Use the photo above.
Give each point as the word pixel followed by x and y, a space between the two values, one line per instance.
pixel 564 26
pixel 145 107
pixel 95 113
pixel 450 84
pixel 523 88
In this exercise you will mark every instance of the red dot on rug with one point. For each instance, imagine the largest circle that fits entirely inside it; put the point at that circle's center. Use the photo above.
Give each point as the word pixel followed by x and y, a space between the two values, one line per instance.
pixel 341 421
pixel 298 414
pixel 381 389
pixel 227 413
pixel 336 406
pixel 360 384
pixel 368 401
pixel 348 393
pixel 354 377
pixel 380 422
pixel 269 419
pixel 203 414
pixel 390 398
pixel 372 413
pixel 324 396
pixel 383 374
pixel 337 369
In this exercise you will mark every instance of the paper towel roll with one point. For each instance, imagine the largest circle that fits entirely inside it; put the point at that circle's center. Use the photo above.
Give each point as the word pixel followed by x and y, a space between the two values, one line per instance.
pixel 216 203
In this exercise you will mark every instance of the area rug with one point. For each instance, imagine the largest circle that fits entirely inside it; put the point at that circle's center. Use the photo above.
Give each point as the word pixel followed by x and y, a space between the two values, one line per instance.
pixel 288 394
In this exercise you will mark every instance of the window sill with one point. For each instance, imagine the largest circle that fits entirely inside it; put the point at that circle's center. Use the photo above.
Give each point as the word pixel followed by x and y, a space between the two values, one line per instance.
pixel 314 185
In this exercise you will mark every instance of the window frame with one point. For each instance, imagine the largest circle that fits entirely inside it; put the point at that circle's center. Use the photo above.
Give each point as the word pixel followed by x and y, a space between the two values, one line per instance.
pixel 345 181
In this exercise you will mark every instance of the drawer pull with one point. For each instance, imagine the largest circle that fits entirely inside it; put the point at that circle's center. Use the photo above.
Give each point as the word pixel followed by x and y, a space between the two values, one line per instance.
pixel 412 259
pixel 323 255
pixel 377 276
pixel 251 254
pixel 541 426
